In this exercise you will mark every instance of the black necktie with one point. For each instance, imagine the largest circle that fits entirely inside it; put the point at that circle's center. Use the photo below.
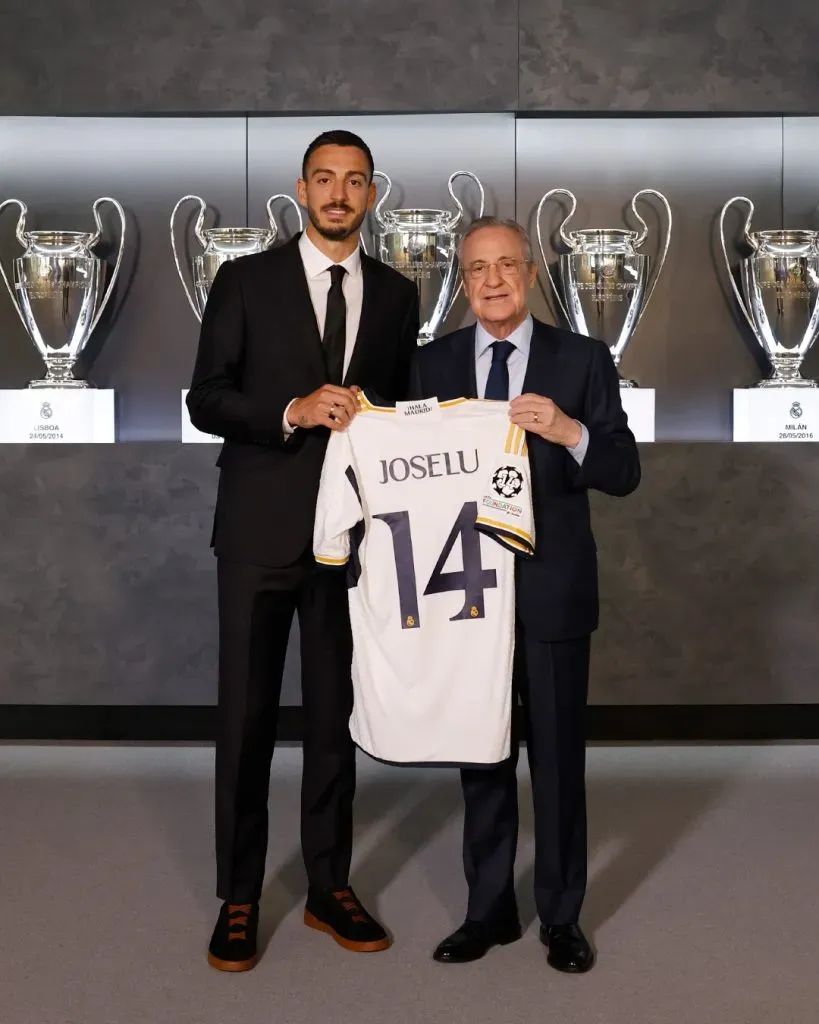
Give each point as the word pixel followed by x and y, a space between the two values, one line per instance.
pixel 335 326
pixel 497 383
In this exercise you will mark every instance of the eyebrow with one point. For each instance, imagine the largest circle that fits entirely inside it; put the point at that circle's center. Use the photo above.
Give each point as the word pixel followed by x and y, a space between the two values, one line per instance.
pixel 348 174
pixel 482 259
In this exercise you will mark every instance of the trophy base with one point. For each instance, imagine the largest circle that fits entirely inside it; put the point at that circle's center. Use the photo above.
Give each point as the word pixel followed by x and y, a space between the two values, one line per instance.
pixel 69 384
pixel 776 413
pixel 190 435
pixel 783 383
pixel 638 405
pixel 44 415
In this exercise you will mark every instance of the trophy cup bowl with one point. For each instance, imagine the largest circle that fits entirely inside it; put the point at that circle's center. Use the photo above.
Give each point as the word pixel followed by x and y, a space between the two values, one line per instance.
pixel 779 296
pixel 423 246
pixel 220 245
pixel 605 281
pixel 59 292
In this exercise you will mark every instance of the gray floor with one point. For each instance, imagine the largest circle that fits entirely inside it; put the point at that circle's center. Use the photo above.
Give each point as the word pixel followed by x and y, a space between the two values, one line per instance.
pixel 703 898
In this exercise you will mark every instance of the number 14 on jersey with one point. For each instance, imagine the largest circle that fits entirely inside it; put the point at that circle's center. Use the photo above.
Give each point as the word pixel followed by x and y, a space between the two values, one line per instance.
pixel 473 580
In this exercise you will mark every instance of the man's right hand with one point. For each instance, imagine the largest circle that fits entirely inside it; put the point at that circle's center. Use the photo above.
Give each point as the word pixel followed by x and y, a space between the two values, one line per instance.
pixel 329 406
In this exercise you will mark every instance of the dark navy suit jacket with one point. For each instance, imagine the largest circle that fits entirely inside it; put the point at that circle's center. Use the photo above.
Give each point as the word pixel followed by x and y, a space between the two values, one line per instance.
pixel 557 589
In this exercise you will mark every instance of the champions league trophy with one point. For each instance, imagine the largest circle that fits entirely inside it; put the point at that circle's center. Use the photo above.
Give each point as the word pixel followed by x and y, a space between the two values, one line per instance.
pixel 605 281
pixel 780 295
pixel 423 246
pixel 59 291
pixel 219 245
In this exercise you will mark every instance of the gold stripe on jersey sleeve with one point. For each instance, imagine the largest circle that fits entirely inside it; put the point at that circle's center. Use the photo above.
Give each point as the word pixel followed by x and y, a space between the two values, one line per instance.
pixel 453 401
pixel 326 560
pixel 510 438
pixel 525 537
pixel 518 545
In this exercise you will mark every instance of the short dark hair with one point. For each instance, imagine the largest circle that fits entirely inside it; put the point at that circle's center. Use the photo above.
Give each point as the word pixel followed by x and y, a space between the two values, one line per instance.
pixel 339 137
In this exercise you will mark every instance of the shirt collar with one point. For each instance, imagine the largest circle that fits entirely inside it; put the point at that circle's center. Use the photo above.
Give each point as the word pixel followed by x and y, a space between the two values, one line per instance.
pixel 316 263
pixel 521 337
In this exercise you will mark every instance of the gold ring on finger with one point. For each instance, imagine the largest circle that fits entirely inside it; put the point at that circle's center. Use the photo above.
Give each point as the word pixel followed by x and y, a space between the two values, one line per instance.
pixel 537 418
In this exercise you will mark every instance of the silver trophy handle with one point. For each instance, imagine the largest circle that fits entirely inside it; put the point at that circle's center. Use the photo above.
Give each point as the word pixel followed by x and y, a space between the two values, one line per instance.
pixel 109 291
pixel 751 242
pixel 566 239
pixel 21 238
pixel 289 199
pixel 382 224
pixel 198 226
pixel 644 234
pixel 458 217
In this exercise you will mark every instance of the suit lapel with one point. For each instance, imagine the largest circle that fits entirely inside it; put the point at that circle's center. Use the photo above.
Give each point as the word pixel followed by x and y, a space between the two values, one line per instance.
pixel 466 358
pixel 541 373
pixel 301 305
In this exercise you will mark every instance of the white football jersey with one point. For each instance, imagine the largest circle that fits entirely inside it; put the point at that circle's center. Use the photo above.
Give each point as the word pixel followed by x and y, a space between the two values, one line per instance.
pixel 430 502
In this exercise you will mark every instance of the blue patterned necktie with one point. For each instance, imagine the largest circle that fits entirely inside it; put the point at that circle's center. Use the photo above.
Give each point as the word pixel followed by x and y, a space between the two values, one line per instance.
pixel 497 383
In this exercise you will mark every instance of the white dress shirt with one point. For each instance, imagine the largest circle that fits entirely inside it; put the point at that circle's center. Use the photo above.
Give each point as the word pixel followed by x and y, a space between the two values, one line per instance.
pixel 317 271
pixel 517 362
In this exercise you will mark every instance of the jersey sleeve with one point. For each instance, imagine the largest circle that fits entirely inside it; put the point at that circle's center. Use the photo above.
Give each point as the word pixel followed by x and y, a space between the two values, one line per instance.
pixel 338 508
pixel 505 507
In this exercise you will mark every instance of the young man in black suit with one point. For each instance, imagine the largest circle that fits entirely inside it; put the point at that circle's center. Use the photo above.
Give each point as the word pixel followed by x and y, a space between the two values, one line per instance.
pixel 287 336
pixel 566 395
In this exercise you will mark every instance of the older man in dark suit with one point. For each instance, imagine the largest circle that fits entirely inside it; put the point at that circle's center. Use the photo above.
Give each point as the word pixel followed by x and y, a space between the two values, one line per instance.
pixel 565 393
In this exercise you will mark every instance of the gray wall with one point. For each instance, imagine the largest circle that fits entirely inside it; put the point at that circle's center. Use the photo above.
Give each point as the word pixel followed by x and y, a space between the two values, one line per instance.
pixel 386 55
pixel 708 572
pixel 709 577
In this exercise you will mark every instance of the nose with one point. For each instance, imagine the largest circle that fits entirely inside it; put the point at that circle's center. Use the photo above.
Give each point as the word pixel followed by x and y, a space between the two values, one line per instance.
pixel 339 191
pixel 493 276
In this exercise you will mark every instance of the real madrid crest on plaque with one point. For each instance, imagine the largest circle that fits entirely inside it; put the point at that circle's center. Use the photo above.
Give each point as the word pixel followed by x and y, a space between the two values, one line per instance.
pixel 46 412
pixel 796 411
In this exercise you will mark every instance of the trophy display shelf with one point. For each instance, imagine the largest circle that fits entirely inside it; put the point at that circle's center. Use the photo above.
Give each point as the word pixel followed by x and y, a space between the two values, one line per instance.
pixel 190 435
pixel 43 415
pixel 638 404
pixel 776 413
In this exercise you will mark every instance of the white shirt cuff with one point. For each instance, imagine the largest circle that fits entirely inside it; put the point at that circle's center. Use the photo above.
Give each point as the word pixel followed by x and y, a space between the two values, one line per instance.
pixel 287 427
pixel 578 453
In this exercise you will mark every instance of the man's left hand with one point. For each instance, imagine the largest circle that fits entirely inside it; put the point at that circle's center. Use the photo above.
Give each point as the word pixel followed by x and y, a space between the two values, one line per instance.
pixel 540 415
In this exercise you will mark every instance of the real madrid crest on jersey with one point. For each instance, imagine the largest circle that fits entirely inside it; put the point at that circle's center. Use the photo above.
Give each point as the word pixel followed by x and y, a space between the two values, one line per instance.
pixel 507 482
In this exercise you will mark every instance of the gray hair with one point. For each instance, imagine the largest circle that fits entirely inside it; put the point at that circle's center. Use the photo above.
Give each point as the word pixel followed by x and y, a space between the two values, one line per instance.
pixel 498 222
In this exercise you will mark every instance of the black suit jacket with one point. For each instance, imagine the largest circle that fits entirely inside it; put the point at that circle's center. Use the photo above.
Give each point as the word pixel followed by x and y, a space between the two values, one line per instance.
pixel 259 348
pixel 557 589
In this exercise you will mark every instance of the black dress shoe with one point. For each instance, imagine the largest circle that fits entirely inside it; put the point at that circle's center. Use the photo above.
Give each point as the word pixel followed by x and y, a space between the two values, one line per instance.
pixel 474 939
pixel 233 944
pixel 569 949
pixel 341 915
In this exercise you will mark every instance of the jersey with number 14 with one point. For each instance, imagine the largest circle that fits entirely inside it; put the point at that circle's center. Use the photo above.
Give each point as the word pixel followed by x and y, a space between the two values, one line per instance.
pixel 430 503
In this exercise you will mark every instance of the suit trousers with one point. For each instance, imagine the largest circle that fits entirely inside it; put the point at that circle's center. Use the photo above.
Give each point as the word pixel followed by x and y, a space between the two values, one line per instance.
pixel 256 609
pixel 552 681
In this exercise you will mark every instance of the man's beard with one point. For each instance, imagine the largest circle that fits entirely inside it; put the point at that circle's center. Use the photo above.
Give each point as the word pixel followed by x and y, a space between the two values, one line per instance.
pixel 335 233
